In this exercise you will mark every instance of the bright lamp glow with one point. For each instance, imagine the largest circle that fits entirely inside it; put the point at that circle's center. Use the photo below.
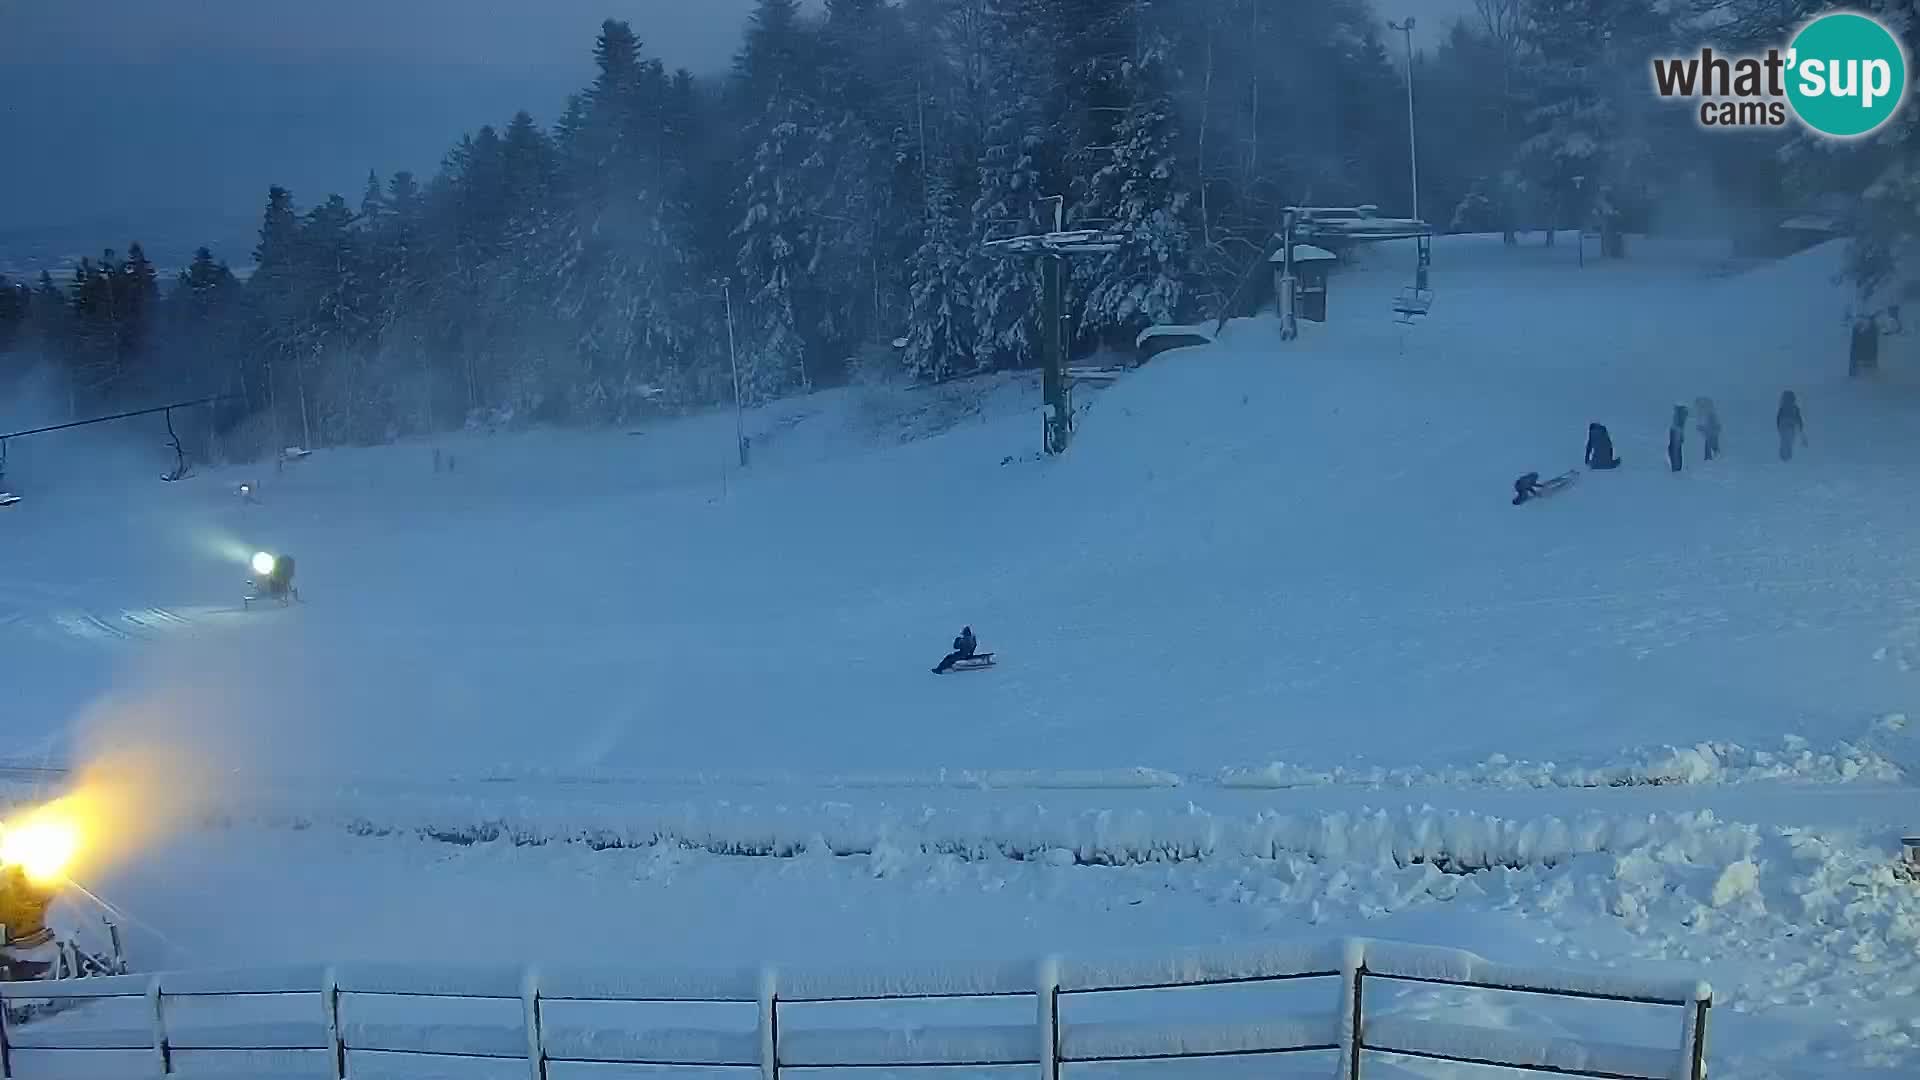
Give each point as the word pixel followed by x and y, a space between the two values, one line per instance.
pixel 43 846
pixel 262 563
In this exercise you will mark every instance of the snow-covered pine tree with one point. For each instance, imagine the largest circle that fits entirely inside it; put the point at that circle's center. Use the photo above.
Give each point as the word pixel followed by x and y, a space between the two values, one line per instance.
pixel 335 325
pixel 1146 195
pixel 620 249
pixel 49 317
pixel 775 58
pixel 1594 131
pixel 1006 290
pixel 860 107
pixel 14 299
pixel 778 203
pixel 202 309
pixel 941 326
pixel 778 243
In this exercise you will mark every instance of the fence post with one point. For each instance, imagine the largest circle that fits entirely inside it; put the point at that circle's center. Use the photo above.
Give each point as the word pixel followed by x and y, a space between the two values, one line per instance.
pixel 156 1001
pixel 1353 976
pixel 1047 998
pixel 1698 1051
pixel 536 1042
pixel 769 1024
pixel 330 1001
pixel 6 1047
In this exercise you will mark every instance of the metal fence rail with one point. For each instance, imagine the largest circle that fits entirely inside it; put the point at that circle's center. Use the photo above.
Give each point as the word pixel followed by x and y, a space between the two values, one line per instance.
pixel 148 1040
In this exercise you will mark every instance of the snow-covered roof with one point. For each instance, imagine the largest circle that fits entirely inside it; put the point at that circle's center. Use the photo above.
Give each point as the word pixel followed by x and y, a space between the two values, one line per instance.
pixel 1203 331
pixel 1367 229
pixel 1304 253
pixel 1820 223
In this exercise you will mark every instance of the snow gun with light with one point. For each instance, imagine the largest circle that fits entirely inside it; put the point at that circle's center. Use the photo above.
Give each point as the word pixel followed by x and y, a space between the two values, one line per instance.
pixel 272 579
pixel 37 851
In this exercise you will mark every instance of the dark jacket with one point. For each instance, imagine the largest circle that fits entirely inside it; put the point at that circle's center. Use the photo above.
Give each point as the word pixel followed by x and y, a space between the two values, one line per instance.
pixel 1599 445
pixel 965 643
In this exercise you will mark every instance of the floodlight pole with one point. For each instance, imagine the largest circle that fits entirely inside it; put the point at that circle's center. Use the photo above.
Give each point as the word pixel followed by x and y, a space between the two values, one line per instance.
pixel 733 358
pixel 1580 218
pixel 1053 345
pixel 1413 146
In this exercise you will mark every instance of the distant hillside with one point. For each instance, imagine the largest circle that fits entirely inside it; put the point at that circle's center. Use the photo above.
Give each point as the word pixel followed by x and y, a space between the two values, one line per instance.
pixel 169 240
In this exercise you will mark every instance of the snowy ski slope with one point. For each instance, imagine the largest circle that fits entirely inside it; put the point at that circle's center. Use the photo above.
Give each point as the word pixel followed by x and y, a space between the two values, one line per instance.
pixel 601 680
pixel 1258 553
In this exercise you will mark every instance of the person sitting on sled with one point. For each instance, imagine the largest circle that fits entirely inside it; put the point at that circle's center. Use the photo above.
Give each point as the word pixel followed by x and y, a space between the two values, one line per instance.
pixel 1527 487
pixel 1600 453
pixel 964 647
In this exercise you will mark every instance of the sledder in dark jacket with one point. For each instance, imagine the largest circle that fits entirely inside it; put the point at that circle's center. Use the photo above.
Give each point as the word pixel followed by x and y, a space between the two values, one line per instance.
pixel 964 647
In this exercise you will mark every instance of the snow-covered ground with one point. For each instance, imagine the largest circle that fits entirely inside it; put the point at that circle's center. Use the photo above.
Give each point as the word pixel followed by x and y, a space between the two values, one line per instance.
pixel 1278 658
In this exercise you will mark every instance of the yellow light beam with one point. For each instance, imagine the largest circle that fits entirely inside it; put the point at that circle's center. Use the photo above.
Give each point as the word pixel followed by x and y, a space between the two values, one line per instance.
pixel 43 846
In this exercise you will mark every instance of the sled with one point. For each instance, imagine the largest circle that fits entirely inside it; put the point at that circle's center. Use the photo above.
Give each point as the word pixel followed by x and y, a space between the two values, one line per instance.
pixel 976 662
pixel 8 498
pixel 1559 483
pixel 1554 486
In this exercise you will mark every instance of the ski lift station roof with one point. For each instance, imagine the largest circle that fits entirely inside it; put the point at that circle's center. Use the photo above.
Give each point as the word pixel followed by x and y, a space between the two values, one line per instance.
pixel 1175 336
pixel 1303 253
pixel 1342 225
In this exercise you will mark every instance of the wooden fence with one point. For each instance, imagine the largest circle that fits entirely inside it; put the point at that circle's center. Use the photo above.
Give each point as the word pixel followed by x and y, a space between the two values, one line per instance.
pixel 370 1022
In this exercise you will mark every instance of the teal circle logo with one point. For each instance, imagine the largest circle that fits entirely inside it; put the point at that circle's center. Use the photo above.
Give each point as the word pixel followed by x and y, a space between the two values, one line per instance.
pixel 1847 74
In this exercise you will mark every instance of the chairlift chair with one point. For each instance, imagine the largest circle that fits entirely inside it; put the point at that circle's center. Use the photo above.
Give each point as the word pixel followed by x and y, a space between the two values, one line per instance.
pixel 182 468
pixel 1411 303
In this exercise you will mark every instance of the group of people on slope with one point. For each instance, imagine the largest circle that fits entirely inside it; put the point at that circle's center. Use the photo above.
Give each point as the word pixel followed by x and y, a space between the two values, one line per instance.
pixel 1600 455
pixel 1787 422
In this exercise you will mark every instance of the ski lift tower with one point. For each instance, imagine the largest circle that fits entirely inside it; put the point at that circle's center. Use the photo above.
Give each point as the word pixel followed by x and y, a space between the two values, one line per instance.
pixel 1053 248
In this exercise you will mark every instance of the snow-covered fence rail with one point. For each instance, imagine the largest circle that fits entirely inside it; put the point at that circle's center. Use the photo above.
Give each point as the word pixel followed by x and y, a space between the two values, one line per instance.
pixel 371 1022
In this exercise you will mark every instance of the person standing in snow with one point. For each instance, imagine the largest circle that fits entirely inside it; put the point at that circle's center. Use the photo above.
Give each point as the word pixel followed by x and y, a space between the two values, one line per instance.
pixel 1708 419
pixel 1788 422
pixel 1677 437
pixel 1600 453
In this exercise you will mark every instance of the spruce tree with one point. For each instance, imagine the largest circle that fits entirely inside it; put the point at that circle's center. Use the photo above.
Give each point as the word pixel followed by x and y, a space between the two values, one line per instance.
pixel 1011 167
pixel 1591 153
pixel 940 338
pixel 772 61
pixel 1143 191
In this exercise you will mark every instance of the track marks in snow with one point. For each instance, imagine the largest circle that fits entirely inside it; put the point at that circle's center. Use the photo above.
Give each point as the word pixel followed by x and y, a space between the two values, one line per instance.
pixel 121 628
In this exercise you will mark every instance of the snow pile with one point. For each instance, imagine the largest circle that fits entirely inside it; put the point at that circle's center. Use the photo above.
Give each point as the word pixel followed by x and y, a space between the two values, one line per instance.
pixel 1578 1056
pixel 1703 763
pixel 982 779
pixel 1458 966
pixel 1451 841
pixel 1114 1041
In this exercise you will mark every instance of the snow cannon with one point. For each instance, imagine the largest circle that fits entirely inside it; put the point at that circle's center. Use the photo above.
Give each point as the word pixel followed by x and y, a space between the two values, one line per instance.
pixel 272 578
pixel 37 851
pixel 28 949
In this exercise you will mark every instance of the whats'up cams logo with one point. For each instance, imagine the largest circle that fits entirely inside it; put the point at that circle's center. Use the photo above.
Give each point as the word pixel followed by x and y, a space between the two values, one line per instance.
pixel 1843 75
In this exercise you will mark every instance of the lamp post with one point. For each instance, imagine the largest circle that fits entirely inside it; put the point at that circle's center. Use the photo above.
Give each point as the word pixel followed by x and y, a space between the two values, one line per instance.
pixel 1580 217
pixel 1413 146
pixel 733 358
